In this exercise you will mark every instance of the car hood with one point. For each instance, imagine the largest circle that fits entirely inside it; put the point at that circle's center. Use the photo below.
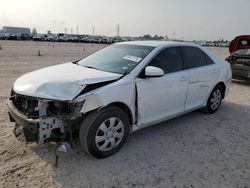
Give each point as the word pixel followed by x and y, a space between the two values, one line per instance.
pixel 60 82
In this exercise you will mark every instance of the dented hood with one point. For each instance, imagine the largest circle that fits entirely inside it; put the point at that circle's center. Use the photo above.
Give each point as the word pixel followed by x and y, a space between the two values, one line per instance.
pixel 60 82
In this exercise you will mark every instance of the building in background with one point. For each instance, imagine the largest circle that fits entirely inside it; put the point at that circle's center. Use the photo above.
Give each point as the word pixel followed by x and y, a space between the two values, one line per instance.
pixel 16 30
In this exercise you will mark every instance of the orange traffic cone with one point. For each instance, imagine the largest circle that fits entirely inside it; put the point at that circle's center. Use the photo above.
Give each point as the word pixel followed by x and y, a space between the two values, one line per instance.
pixel 1 47
pixel 39 53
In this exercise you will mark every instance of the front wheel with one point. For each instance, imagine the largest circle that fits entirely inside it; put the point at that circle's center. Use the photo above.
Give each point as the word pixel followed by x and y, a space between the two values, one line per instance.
pixel 214 100
pixel 103 132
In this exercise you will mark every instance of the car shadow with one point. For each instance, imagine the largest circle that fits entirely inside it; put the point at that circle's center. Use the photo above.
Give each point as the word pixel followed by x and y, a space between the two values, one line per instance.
pixel 193 145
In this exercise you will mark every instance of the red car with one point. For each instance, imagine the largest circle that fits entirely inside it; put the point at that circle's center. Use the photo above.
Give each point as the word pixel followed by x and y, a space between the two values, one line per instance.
pixel 239 58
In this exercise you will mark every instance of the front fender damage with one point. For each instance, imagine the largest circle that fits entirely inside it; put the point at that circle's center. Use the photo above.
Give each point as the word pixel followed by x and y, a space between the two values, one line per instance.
pixel 92 102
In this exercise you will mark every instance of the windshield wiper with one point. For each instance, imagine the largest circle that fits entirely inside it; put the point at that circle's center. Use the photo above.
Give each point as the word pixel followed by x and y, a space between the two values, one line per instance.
pixel 124 74
pixel 90 67
pixel 75 62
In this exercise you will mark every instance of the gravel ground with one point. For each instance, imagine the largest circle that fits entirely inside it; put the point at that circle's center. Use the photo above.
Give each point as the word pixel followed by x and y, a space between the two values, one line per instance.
pixel 195 150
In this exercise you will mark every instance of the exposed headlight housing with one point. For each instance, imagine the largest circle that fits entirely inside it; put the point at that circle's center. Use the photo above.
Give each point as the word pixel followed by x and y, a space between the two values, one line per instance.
pixel 59 107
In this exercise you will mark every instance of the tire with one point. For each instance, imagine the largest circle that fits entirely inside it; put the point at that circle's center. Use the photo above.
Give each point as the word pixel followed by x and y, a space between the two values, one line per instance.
pixel 103 132
pixel 214 100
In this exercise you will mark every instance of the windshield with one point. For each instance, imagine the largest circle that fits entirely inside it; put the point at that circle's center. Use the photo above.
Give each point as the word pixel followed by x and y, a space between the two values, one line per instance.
pixel 243 52
pixel 118 58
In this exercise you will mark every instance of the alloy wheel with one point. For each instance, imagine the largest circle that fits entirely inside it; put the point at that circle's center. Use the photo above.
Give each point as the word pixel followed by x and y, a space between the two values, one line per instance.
pixel 216 99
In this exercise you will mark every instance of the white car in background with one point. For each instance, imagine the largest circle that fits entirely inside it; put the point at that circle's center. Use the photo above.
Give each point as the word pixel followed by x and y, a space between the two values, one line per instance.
pixel 115 91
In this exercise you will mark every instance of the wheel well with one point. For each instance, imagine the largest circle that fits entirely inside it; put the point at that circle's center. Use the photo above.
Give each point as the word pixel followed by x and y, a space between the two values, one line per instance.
pixel 125 108
pixel 222 84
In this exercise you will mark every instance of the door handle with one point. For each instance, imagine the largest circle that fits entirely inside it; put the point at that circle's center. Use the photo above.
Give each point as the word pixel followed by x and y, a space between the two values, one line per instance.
pixel 214 71
pixel 183 78
pixel 204 85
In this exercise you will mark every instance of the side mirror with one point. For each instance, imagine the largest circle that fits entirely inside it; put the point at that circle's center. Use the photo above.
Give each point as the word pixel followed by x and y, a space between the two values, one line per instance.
pixel 151 71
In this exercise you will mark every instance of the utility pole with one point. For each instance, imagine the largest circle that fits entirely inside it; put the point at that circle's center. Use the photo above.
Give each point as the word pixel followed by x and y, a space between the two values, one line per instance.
pixel 77 30
pixel 173 35
pixel 65 30
pixel 93 30
pixel 118 30
pixel 71 31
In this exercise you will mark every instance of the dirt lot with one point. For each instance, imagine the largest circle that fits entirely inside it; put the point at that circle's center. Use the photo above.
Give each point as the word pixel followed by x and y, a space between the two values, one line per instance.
pixel 195 150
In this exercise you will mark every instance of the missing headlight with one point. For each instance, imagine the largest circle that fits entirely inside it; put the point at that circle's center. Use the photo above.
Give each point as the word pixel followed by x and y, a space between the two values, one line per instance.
pixel 76 107
pixel 57 107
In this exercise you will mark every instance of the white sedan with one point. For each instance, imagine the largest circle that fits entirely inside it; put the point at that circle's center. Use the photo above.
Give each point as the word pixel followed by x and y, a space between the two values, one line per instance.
pixel 115 91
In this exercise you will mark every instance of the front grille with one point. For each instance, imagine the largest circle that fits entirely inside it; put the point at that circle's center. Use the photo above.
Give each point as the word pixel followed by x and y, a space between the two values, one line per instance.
pixel 26 105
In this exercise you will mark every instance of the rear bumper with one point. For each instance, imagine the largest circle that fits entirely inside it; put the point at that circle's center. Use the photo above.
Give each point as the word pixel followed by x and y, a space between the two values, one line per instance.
pixel 228 82
pixel 240 71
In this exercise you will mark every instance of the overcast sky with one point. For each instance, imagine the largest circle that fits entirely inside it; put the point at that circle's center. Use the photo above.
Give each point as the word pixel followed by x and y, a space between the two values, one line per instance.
pixel 188 19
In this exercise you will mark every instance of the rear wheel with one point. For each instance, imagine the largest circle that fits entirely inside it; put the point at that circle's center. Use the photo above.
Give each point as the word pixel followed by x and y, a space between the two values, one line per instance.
pixel 214 100
pixel 103 132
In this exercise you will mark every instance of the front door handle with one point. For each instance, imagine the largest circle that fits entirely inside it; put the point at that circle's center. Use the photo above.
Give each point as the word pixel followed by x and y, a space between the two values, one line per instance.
pixel 214 71
pixel 183 78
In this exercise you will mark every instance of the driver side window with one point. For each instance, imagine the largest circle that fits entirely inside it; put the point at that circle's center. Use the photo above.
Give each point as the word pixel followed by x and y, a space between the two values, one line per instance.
pixel 169 60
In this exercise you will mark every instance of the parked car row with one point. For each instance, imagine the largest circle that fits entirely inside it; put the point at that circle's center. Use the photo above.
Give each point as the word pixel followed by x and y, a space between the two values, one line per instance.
pixel 7 36
pixel 212 44
pixel 61 38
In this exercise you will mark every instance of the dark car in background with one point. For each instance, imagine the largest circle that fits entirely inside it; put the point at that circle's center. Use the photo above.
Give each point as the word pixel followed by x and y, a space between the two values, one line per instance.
pixel 239 58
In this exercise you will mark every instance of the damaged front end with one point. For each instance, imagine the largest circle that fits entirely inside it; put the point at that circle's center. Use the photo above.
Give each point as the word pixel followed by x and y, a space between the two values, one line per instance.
pixel 43 120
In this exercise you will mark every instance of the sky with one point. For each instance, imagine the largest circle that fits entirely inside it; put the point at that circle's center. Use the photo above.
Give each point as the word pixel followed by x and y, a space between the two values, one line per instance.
pixel 182 19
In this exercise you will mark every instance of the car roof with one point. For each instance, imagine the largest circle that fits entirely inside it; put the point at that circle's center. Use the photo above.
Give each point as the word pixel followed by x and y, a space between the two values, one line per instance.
pixel 158 43
pixel 162 44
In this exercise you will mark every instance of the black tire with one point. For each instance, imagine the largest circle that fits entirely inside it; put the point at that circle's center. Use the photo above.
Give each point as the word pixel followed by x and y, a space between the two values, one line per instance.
pixel 209 108
pixel 92 123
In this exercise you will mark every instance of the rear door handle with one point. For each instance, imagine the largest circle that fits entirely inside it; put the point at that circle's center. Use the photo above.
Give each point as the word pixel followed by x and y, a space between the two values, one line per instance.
pixel 204 85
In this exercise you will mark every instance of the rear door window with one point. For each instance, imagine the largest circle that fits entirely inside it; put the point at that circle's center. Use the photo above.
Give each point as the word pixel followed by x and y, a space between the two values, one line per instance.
pixel 194 57
pixel 169 60
pixel 208 60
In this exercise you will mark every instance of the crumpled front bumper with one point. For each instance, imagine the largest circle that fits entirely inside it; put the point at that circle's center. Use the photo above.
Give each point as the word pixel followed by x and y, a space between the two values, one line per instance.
pixel 29 128
pixel 35 130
